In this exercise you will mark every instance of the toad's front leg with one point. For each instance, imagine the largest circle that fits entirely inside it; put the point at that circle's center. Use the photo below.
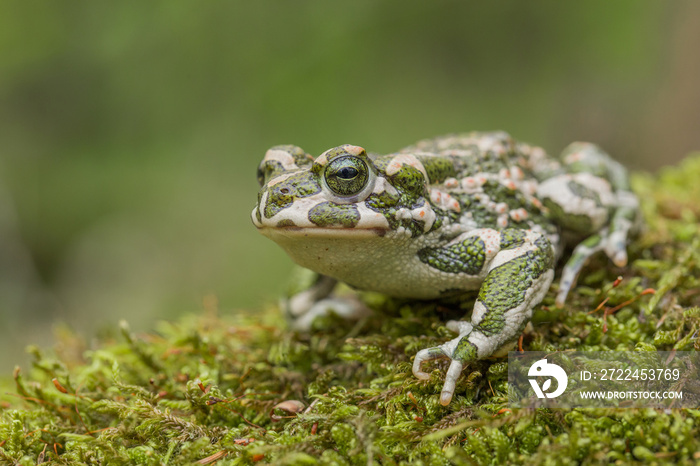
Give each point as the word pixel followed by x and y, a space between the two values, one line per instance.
pixel 518 276
pixel 313 297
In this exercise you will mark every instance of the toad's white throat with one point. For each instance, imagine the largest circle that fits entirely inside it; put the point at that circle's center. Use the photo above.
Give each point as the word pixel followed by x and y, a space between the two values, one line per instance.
pixel 279 233
pixel 370 259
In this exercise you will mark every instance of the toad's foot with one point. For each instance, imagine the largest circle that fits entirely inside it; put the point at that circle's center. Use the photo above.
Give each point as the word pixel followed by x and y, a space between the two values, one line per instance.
pixel 318 300
pixel 612 240
pixel 459 350
pixel 347 307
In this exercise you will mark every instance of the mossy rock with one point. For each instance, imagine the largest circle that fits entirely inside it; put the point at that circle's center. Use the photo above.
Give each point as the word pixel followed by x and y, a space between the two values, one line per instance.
pixel 244 389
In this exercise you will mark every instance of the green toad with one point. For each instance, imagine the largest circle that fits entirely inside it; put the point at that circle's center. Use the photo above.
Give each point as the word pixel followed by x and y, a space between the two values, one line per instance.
pixel 474 211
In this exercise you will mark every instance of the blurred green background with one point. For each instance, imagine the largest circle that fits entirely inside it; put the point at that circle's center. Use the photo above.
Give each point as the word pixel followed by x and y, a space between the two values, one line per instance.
pixel 130 132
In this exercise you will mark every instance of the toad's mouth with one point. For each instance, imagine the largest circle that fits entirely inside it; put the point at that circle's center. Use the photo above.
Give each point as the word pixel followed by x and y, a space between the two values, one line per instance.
pixel 313 232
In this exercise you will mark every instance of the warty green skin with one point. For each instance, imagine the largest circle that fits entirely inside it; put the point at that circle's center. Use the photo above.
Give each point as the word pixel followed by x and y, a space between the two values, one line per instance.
pixel 474 211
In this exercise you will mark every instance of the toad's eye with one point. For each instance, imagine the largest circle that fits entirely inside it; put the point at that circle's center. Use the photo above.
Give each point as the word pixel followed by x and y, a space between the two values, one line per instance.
pixel 347 173
pixel 347 176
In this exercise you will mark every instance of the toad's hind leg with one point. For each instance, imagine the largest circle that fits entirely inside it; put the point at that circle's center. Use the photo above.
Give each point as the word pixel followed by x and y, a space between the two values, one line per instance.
pixel 578 259
pixel 590 197
pixel 519 272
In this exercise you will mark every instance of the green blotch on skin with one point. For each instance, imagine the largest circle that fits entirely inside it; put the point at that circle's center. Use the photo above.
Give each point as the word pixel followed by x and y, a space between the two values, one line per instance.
pixel 279 202
pixel 380 202
pixel 514 199
pixel 302 184
pixel 512 237
pixel 301 158
pixel 381 163
pixel 340 151
pixel 439 220
pixel 467 256
pixel 466 351
pixel 286 223
pixel 281 195
pixel 387 204
pixel 411 194
pixel 577 223
pixel 492 323
pixel 329 214
pixel 438 168
pixel 584 192
pixel 269 169
pixel 409 181
pixel 482 216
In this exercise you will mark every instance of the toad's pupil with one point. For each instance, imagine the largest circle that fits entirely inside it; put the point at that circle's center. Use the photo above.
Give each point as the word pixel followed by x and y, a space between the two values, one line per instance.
pixel 347 173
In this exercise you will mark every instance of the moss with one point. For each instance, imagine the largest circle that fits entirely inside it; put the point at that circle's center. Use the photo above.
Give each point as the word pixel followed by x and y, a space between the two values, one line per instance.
pixel 208 388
